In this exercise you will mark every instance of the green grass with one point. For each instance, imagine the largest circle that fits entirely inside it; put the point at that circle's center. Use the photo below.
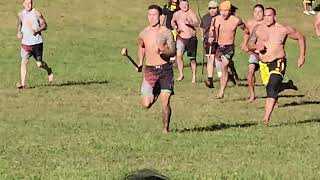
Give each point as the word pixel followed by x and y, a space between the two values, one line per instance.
pixel 89 125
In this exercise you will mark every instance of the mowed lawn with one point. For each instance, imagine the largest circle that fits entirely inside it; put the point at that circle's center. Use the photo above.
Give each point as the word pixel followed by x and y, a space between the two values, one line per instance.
pixel 88 123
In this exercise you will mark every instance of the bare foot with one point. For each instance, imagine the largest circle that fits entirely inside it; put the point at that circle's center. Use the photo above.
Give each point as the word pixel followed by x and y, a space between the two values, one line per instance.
pixel 165 131
pixel 193 80
pixel 251 99
pixel 180 78
pixel 50 77
pixel 220 96
pixel 19 86
pixel 265 122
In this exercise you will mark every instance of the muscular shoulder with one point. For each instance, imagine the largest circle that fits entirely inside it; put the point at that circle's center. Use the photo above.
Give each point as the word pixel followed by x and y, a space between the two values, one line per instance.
pixel 37 12
pixel 20 13
pixel 285 28
pixel 236 19
pixel 177 13
pixel 165 30
pixel 250 23
pixel 190 12
pixel 143 33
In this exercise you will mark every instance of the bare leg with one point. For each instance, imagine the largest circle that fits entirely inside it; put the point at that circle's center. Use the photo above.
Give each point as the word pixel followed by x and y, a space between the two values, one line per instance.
pixel 251 82
pixel 23 73
pixel 234 73
pixel 45 66
pixel 147 101
pixel 210 60
pixel 166 111
pixel 180 65
pixel 269 106
pixel 305 6
pixel 194 70
pixel 223 80
pixel 210 65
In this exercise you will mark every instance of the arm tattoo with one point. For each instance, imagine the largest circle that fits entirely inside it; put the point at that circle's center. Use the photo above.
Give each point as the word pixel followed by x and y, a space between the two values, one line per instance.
pixel 170 42
pixel 253 38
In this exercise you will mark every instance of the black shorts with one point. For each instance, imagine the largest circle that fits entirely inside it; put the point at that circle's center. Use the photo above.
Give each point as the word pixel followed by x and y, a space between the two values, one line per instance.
pixel 32 50
pixel 157 79
pixel 213 48
pixel 278 66
pixel 225 52
pixel 189 45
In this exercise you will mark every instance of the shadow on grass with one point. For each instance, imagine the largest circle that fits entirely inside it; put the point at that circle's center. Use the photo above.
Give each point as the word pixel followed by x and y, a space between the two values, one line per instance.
pixel 215 127
pixel 145 174
pixel 246 85
pixel 297 123
pixel 77 83
pixel 301 103
pixel 263 97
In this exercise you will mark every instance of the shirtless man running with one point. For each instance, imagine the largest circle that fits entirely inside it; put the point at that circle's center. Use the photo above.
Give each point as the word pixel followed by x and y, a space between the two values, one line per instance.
pixel 30 25
pixel 156 46
pixel 184 22
pixel 254 57
pixel 223 30
pixel 269 40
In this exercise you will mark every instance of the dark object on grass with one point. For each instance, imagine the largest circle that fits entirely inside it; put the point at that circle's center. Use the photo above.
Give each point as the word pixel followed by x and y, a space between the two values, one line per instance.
pixel 145 174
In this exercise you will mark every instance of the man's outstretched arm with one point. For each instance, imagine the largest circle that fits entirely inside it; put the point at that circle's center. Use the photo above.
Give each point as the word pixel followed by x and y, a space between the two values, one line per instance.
pixel 296 35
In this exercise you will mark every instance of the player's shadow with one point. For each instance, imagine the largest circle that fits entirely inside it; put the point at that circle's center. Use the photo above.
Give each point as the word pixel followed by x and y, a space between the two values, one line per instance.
pixel 280 96
pixel 145 174
pixel 77 83
pixel 215 127
pixel 300 103
pixel 246 85
pixel 317 8
pixel 297 123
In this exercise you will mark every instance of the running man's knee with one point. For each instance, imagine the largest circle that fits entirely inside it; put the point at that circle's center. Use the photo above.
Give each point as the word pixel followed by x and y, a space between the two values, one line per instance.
pixel 165 99
pixel 24 62
pixel 179 54
pixel 251 69
pixel 273 86
pixel 147 101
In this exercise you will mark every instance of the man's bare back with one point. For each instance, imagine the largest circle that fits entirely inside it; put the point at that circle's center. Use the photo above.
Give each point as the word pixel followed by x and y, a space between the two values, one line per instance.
pixel 155 40
pixel 225 30
pixel 185 23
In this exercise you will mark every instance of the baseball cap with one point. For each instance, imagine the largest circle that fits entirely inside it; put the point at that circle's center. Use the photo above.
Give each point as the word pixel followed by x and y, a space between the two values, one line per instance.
pixel 225 5
pixel 213 4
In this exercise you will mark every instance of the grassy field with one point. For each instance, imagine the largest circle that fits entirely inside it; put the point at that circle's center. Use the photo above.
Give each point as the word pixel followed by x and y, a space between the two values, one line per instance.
pixel 88 123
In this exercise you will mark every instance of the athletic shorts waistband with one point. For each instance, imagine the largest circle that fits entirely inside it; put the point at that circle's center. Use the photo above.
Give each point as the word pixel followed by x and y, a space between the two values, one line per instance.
pixel 161 66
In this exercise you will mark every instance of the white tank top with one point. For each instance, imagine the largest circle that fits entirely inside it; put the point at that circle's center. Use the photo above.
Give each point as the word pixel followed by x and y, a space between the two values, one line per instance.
pixel 30 22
